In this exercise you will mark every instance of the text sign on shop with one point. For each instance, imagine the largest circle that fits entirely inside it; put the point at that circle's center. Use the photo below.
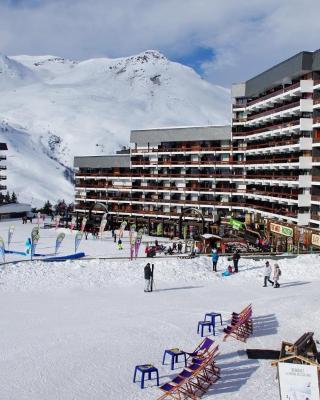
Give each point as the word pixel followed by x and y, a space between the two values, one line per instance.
pixel 315 240
pixel 282 230
pixel 235 223
pixel 298 381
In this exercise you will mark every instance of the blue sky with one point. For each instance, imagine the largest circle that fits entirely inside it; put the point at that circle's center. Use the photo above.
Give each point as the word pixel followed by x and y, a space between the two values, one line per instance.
pixel 223 40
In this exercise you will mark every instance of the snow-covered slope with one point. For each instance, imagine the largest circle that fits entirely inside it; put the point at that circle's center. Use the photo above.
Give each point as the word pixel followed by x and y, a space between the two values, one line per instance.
pixel 53 108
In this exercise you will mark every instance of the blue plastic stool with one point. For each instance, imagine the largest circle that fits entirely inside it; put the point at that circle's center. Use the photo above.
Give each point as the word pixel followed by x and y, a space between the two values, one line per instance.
pixel 208 324
pixel 174 353
pixel 145 369
pixel 212 316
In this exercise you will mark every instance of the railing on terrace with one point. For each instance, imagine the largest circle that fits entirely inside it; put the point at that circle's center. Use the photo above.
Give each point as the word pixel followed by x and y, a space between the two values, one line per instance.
pixel 172 175
pixel 292 196
pixel 273 160
pixel 315 197
pixel 315 159
pixel 316 120
pixel 182 149
pixel 274 127
pixel 185 162
pixel 273 143
pixel 275 93
pixel 273 177
pixel 274 110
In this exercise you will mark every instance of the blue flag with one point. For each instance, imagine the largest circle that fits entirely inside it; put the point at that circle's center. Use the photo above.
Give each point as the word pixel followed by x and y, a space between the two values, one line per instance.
pixel 59 240
pixel 77 240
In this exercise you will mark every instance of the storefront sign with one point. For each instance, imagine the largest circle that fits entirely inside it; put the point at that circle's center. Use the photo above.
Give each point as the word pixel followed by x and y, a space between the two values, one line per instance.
pixel 315 240
pixel 281 230
pixel 235 223
pixel 298 381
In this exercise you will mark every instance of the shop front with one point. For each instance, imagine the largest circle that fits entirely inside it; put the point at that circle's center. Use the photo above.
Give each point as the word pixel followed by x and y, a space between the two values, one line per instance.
pixel 281 237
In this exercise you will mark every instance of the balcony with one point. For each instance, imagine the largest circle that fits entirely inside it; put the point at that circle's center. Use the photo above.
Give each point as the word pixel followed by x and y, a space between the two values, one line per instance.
pixel 274 93
pixel 182 149
pixel 3 157
pixel 274 110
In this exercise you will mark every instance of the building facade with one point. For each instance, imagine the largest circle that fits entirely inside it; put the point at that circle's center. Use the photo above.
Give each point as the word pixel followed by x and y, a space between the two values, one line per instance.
pixel 276 119
pixel 3 167
pixel 267 163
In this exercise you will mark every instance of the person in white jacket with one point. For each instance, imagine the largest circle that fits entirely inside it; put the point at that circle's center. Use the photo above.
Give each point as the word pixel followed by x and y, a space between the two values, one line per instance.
pixel 276 275
pixel 267 274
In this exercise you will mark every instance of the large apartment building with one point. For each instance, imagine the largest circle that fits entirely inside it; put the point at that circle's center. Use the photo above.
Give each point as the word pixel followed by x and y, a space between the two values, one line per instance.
pixel 276 119
pixel 167 174
pixel 267 163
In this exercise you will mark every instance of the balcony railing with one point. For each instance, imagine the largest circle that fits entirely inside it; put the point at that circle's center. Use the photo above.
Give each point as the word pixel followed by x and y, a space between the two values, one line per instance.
pixel 274 110
pixel 273 143
pixel 273 177
pixel 182 149
pixel 275 160
pixel 275 93
pixel 274 127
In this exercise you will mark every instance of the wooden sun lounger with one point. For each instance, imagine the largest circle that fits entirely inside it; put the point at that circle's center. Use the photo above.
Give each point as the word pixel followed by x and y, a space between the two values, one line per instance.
pixel 241 326
pixel 195 379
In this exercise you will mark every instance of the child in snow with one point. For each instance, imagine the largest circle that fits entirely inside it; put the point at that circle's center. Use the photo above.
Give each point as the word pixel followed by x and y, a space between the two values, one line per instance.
pixel 276 275
pixel 120 247
pixel 267 274
pixel 214 258
pixel 28 246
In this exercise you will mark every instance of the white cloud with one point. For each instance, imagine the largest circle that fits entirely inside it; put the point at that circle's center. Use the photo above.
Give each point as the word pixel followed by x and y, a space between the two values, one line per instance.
pixel 246 36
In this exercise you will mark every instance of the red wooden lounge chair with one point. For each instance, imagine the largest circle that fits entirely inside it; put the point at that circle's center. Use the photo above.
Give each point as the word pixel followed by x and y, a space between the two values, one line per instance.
pixel 241 325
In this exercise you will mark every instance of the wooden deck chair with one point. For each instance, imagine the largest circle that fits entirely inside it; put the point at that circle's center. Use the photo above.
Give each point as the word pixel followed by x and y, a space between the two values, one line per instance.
pixel 202 349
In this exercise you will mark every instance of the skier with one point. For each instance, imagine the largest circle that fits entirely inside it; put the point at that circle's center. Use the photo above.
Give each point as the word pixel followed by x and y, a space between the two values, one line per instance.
pixel 214 258
pixel 267 274
pixel 236 258
pixel 276 276
pixel 120 246
pixel 147 277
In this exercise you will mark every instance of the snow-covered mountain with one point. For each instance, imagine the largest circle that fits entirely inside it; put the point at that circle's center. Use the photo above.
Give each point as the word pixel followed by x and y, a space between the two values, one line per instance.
pixel 53 108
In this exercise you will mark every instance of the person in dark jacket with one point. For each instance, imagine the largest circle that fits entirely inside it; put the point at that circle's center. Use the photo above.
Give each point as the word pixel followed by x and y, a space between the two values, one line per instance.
pixel 147 277
pixel 236 258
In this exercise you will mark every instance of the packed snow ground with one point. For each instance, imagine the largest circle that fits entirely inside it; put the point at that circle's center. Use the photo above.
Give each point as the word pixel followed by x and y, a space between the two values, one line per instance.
pixel 76 330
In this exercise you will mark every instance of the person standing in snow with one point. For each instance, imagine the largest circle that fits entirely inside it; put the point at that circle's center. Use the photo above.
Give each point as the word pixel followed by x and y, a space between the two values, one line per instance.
pixel 147 277
pixel 276 275
pixel 120 247
pixel 179 247
pixel 115 237
pixel 267 274
pixel 214 258
pixel 236 258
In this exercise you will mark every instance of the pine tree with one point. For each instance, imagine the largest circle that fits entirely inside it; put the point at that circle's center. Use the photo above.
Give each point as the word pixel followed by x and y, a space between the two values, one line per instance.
pixel 7 198
pixel 47 208
pixel 14 198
